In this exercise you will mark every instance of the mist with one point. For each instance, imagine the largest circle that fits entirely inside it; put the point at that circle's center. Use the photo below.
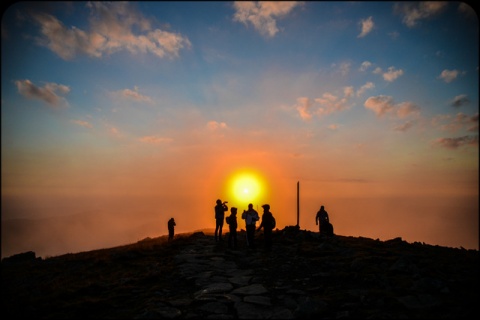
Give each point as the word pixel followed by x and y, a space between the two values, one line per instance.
pixel 75 224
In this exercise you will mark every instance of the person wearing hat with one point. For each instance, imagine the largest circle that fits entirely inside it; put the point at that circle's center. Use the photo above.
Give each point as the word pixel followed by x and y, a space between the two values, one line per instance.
pixel 268 224
pixel 251 217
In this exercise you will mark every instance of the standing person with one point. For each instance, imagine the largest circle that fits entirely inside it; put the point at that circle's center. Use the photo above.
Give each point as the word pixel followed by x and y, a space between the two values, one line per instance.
pixel 220 209
pixel 268 224
pixel 323 222
pixel 232 223
pixel 171 228
pixel 251 217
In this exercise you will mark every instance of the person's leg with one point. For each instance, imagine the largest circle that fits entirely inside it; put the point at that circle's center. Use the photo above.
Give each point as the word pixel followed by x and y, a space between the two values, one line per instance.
pixel 217 225
pixel 220 231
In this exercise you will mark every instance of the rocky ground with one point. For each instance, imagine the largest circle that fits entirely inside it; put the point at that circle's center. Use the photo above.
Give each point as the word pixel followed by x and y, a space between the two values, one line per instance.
pixel 302 276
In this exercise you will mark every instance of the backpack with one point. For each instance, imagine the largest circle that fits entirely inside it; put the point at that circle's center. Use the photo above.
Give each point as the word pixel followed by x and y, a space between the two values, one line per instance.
pixel 227 219
pixel 274 223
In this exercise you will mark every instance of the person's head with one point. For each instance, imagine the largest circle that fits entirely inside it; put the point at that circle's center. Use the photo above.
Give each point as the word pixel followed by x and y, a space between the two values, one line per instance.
pixel 219 201
pixel 322 208
pixel 266 207
pixel 233 210
pixel 250 206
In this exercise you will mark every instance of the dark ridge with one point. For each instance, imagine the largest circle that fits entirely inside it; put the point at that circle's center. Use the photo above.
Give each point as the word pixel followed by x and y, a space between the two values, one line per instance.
pixel 304 276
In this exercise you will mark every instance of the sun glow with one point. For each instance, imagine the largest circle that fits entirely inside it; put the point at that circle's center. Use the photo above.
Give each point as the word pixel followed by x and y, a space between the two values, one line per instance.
pixel 245 187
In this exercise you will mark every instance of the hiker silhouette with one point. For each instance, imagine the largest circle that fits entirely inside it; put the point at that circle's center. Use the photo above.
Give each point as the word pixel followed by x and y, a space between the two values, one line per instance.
pixel 251 217
pixel 171 228
pixel 323 221
pixel 268 224
pixel 231 220
pixel 220 209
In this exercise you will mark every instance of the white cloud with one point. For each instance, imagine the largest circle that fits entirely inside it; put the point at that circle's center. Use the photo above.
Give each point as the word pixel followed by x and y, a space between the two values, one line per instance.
pixel 367 26
pixel 365 87
pixel 214 125
pixel 392 74
pixel 114 26
pixel 49 93
pixel 133 95
pixel 303 107
pixel 383 105
pixel 365 65
pixel 448 75
pixel 263 15
pixel 413 12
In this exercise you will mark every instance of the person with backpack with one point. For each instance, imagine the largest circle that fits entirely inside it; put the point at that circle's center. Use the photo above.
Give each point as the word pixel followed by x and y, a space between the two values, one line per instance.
pixel 268 224
pixel 220 209
pixel 251 217
pixel 323 221
pixel 231 220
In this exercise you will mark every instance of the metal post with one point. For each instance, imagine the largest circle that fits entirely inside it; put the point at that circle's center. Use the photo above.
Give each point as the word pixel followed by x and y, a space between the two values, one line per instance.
pixel 298 203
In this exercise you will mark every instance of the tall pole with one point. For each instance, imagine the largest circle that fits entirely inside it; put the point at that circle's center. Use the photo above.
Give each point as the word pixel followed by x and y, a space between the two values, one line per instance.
pixel 298 203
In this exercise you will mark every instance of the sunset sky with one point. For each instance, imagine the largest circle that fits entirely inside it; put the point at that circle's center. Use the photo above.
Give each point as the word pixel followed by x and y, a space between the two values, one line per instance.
pixel 154 110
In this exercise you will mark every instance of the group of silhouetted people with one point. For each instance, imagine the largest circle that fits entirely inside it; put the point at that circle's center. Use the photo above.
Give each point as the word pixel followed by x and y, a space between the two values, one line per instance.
pixel 251 217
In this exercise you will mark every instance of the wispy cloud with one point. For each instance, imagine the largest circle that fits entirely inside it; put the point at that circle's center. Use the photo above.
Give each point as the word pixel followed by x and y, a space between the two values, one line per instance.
pixel 214 125
pixel 456 123
pixel 383 105
pixel 365 65
pixel 413 12
pixel 263 15
pixel 327 104
pixel 460 101
pixel 133 95
pixel 50 93
pixel 364 88
pixel 367 26
pixel 455 143
pixel 114 26
pixel 82 123
pixel 449 75
pixel 155 140
pixel 304 106
pixel 405 126
pixel 392 74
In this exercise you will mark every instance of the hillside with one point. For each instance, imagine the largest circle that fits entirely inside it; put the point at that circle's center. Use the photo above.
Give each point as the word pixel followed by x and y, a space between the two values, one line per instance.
pixel 302 276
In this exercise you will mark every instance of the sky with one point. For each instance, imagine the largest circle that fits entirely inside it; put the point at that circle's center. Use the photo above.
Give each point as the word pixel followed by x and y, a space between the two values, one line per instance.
pixel 121 115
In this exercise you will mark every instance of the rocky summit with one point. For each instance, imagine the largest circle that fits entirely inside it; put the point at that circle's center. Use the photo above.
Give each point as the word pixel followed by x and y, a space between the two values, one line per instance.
pixel 302 275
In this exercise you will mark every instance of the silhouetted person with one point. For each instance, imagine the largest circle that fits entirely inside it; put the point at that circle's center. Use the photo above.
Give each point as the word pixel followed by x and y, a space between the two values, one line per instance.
pixel 268 224
pixel 232 223
pixel 323 221
pixel 220 209
pixel 251 217
pixel 171 228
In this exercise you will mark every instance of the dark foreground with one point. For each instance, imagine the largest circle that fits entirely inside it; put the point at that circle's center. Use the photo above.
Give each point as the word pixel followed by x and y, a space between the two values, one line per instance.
pixel 302 276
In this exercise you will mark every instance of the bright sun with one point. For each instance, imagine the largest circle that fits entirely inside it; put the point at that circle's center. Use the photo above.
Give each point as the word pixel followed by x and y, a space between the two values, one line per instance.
pixel 245 187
